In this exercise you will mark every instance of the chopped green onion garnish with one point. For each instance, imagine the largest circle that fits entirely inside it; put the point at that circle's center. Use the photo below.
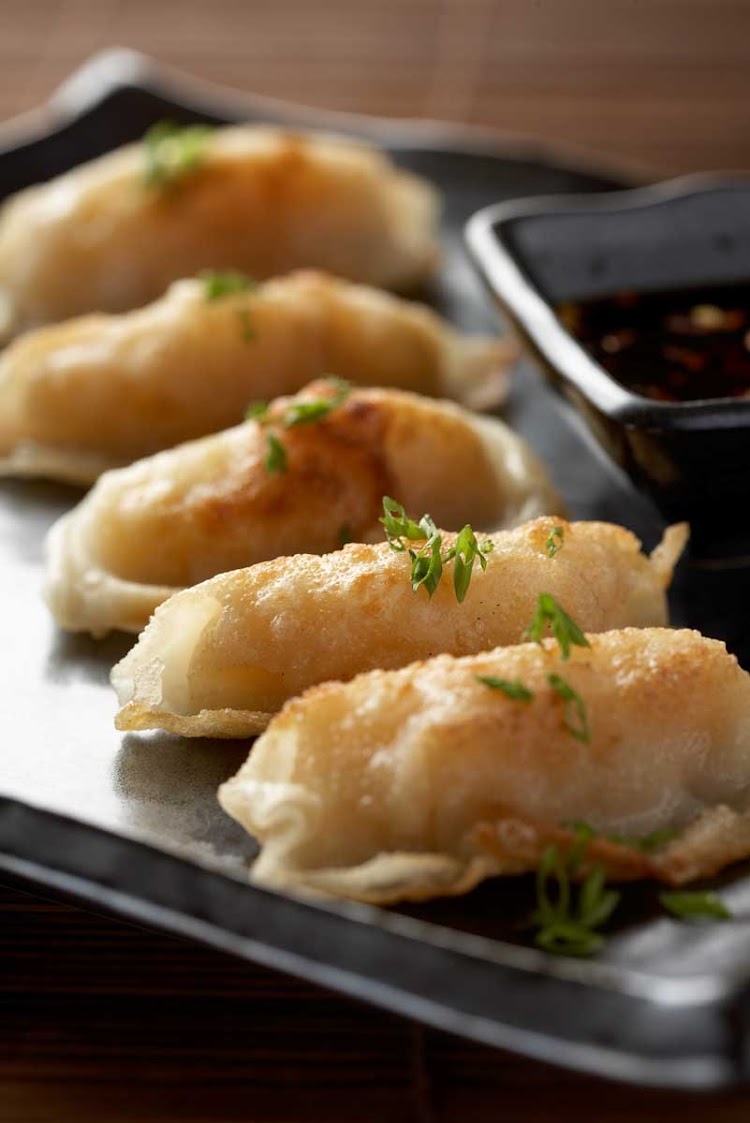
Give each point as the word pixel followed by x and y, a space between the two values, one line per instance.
pixel 298 413
pixel 512 687
pixel 173 152
pixel 315 409
pixel 428 561
pixel 695 906
pixel 576 717
pixel 398 526
pixel 554 541
pixel 216 285
pixel 567 919
pixel 275 462
pixel 427 565
pixel 564 628
pixel 257 411
pixel 463 555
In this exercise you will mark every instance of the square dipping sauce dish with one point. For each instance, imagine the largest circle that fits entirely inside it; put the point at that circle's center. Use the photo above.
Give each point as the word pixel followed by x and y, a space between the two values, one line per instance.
pixel 542 256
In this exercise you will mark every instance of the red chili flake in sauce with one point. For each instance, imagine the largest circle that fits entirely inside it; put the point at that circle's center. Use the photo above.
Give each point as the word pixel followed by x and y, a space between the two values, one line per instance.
pixel 680 346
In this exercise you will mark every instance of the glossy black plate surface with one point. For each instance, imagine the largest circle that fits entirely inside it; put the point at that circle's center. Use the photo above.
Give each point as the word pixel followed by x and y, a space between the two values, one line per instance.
pixel 132 823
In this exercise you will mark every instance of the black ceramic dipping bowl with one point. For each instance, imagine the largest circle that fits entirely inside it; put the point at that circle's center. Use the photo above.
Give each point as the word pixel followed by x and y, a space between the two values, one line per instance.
pixel 692 457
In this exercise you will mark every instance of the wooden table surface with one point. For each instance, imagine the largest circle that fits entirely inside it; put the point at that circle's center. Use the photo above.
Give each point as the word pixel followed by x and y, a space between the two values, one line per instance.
pixel 664 84
pixel 105 1022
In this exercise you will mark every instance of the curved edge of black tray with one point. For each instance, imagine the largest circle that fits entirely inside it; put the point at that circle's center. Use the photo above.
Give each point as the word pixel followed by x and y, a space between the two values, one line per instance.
pixel 619 1035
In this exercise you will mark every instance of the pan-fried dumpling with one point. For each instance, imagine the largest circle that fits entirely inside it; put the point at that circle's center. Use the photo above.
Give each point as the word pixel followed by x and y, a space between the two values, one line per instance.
pixel 99 392
pixel 421 782
pixel 213 505
pixel 113 233
pixel 221 658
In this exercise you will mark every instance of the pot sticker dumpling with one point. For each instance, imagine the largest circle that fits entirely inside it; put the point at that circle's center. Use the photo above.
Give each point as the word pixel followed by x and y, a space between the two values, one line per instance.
pixel 113 233
pixel 221 658
pixel 101 391
pixel 306 476
pixel 420 782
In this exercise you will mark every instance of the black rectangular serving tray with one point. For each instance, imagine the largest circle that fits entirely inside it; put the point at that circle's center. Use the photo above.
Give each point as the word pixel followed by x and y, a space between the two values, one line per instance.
pixel 132 824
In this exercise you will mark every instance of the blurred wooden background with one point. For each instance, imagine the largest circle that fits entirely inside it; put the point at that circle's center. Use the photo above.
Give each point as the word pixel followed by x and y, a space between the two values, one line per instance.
pixel 102 1022
pixel 662 84
pixel 105 1023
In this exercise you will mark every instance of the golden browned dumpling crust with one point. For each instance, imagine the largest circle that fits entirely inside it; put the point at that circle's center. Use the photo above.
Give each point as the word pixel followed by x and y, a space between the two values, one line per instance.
pixel 213 505
pixel 219 659
pixel 102 238
pixel 101 391
pixel 420 782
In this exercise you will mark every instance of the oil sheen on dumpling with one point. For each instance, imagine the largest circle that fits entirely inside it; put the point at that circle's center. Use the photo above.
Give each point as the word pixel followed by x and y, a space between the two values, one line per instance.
pixel 219 659
pixel 101 391
pixel 420 782
pixel 212 505
pixel 111 235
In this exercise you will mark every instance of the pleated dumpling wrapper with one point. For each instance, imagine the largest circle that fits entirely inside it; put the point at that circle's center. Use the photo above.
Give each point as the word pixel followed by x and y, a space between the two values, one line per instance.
pixel 101 391
pixel 421 782
pixel 221 658
pixel 307 475
pixel 113 233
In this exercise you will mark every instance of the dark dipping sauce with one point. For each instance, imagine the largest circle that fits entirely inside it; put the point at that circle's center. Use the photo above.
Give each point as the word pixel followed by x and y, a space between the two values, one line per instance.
pixel 678 346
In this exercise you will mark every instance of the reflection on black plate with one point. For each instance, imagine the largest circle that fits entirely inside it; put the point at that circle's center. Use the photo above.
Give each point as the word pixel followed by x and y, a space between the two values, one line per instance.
pixel 132 824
